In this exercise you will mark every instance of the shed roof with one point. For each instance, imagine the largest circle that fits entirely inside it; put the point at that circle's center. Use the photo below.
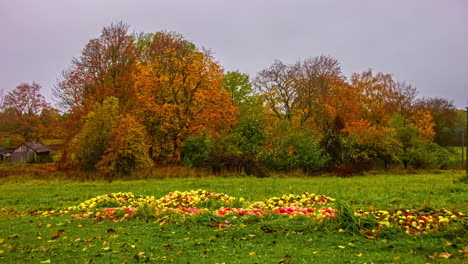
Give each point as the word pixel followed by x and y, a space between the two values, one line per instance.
pixel 5 151
pixel 37 147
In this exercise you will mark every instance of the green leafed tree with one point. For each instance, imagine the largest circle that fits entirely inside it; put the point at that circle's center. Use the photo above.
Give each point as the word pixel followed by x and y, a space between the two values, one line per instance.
pixel 238 86
pixel 93 139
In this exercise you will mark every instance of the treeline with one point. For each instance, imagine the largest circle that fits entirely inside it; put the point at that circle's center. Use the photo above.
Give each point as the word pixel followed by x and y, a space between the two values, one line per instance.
pixel 135 101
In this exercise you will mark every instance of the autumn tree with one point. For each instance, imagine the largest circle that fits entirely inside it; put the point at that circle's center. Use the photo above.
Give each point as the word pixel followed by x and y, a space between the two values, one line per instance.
pixel 50 119
pixel 318 81
pixel 179 93
pixel 404 98
pixel 443 113
pixel 22 108
pixel 377 96
pixel 127 149
pixel 104 68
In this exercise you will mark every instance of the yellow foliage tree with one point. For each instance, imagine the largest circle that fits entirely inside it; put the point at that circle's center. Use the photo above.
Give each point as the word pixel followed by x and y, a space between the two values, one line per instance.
pixel 424 122
pixel 127 149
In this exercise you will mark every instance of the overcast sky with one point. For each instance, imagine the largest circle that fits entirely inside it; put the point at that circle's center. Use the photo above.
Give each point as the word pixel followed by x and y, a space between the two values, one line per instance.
pixel 424 43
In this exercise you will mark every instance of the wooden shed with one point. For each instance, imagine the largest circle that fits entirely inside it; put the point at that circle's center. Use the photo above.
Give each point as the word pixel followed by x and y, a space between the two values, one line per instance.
pixel 5 154
pixel 31 152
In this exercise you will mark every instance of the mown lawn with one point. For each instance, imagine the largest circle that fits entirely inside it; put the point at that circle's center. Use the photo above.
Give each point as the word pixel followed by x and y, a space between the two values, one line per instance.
pixel 248 239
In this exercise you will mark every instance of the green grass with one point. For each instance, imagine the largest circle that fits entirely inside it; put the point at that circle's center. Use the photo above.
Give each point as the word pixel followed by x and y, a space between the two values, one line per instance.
pixel 383 191
pixel 198 239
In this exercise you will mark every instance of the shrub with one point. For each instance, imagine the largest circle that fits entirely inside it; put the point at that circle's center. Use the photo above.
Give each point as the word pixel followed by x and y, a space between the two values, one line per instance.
pixel 299 150
pixel 428 156
pixel 196 150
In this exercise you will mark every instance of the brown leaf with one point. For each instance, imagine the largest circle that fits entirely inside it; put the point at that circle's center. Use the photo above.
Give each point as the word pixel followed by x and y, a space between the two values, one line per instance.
pixel 267 230
pixel 285 260
pixel 167 247
pixel 445 255
pixel 110 230
pixel 139 255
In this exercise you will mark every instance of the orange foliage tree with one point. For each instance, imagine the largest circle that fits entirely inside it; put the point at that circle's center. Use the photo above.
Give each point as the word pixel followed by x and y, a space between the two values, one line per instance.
pixel 376 95
pixel 179 95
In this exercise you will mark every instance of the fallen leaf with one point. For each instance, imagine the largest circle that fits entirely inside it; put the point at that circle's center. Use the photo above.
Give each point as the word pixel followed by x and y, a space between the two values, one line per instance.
pixel 267 230
pixel 445 255
pixel 139 255
pixel 110 230
pixel 167 247
pixel 341 246
pixel 55 235
pixel 253 253
pixel 351 244
pixel 48 225
pixel 14 236
pixel 285 260
pixel 359 255
pixel 1 240
pixel 114 236
pixel 45 261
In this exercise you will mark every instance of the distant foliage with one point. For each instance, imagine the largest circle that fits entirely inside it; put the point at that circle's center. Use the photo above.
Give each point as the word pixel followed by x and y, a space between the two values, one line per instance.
pixel 134 101
pixel 22 107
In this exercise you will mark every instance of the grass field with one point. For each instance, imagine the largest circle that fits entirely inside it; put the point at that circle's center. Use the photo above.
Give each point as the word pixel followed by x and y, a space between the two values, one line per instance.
pixel 207 238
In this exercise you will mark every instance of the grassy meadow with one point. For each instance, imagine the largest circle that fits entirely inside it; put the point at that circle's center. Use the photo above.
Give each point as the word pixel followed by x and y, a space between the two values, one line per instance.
pixel 206 238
